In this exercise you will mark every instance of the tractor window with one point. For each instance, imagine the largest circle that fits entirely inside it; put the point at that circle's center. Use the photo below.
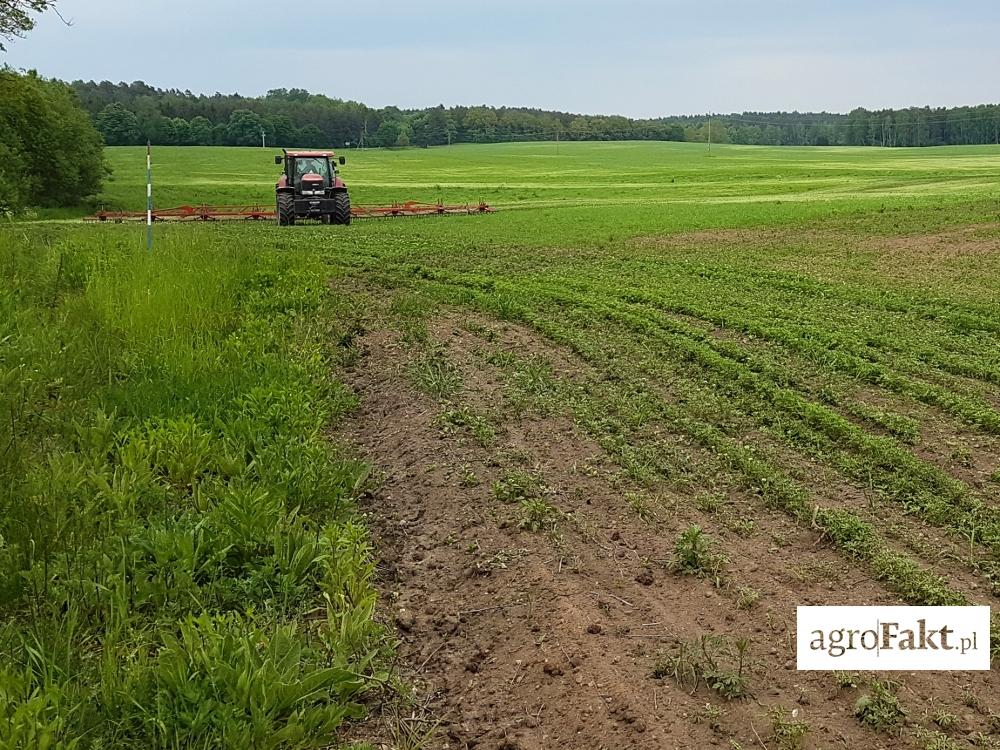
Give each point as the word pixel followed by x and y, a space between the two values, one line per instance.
pixel 306 165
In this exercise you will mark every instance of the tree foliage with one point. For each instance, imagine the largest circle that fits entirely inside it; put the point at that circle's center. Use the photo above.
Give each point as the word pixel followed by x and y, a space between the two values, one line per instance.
pixel 244 128
pixel 293 117
pixel 119 126
pixel 50 152
pixel 16 17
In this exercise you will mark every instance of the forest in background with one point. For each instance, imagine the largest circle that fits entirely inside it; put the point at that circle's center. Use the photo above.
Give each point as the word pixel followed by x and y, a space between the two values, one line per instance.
pixel 132 113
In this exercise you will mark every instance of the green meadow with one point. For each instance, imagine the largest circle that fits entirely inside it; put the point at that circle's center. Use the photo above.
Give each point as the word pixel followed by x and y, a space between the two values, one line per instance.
pixel 181 560
pixel 571 174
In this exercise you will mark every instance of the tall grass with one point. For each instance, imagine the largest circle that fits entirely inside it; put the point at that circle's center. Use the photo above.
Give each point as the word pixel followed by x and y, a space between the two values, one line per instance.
pixel 169 508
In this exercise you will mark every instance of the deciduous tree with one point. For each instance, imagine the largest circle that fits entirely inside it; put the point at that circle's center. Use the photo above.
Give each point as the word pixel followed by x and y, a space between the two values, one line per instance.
pixel 244 128
pixel 119 126
pixel 50 152
pixel 17 17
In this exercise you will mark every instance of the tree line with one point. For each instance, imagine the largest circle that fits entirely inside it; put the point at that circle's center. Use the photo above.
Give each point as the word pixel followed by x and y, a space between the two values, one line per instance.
pixel 132 113
pixel 913 126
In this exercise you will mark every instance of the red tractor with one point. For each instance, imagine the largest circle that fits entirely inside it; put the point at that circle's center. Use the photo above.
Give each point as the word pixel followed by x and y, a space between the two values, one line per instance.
pixel 310 188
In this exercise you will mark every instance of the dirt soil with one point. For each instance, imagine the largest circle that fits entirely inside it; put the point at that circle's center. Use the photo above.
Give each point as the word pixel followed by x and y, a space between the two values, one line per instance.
pixel 974 239
pixel 519 639
pixel 971 239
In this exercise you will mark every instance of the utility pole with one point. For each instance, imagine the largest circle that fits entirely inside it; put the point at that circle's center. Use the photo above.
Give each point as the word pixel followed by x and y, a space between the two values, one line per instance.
pixel 263 138
pixel 557 141
pixel 710 133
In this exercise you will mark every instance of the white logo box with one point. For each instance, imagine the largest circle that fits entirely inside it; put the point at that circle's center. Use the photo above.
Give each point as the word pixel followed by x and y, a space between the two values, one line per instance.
pixel 893 638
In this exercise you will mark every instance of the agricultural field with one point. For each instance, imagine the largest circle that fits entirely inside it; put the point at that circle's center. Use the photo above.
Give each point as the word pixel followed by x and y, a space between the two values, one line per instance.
pixel 553 476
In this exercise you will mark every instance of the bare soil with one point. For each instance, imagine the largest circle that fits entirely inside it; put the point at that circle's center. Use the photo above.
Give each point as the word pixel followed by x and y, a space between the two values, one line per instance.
pixel 542 639
pixel 972 239
pixel 950 243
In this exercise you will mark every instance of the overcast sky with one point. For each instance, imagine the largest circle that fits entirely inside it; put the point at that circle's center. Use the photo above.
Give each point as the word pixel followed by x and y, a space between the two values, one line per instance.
pixel 635 57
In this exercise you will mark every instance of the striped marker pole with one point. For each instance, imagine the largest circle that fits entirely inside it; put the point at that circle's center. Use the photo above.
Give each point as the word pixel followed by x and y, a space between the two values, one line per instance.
pixel 149 197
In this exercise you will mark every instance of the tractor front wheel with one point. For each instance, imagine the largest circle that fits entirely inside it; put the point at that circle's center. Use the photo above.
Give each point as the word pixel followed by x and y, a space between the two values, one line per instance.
pixel 286 210
pixel 341 209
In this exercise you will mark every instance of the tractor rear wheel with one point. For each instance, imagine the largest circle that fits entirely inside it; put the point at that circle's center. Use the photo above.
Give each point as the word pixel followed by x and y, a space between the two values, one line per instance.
pixel 341 209
pixel 286 210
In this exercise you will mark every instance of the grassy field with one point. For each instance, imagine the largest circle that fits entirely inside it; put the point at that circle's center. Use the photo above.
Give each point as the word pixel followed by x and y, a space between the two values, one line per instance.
pixel 804 334
pixel 574 174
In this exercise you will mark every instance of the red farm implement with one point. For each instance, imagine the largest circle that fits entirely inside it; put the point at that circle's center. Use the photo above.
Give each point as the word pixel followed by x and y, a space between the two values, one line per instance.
pixel 308 188
pixel 268 213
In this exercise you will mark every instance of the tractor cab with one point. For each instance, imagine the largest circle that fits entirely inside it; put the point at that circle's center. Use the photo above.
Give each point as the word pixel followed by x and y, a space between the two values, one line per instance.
pixel 310 188
pixel 299 164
